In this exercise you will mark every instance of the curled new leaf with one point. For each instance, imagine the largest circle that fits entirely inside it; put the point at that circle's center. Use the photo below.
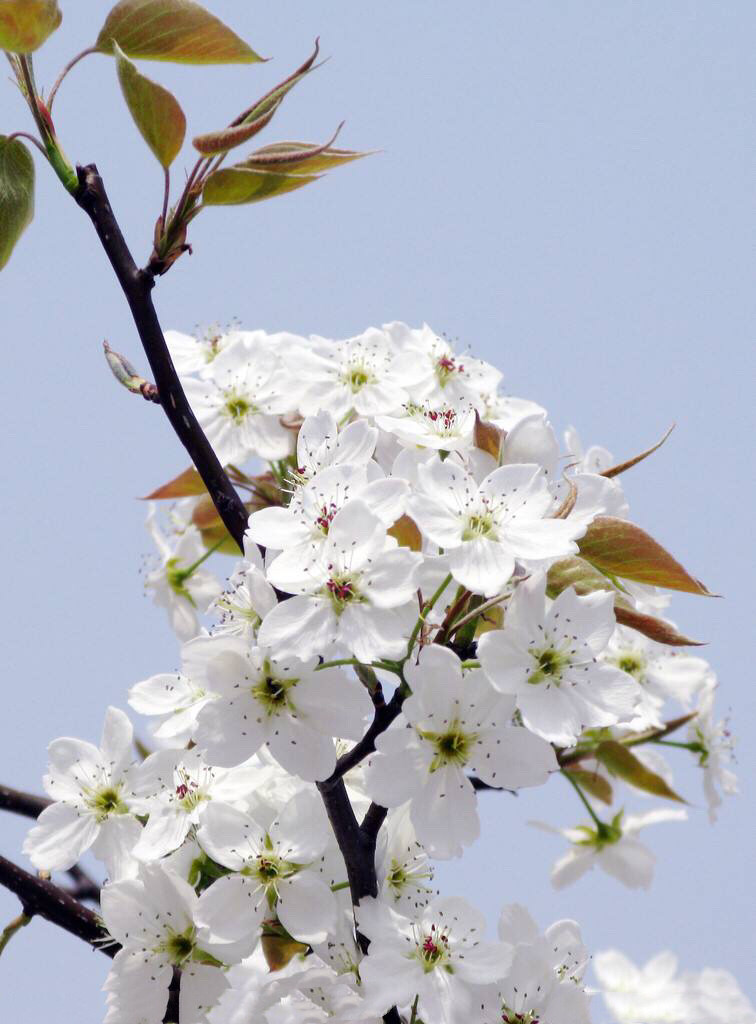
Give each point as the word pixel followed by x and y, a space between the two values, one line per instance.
pixel 173 30
pixel 300 157
pixel 592 783
pixel 155 111
pixel 655 629
pixel 185 485
pixel 623 549
pixel 228 138
pixel 26 24
pixel 16 194
pixel 234 185
pixel 629 463
pixel 273 98
pixel 624 764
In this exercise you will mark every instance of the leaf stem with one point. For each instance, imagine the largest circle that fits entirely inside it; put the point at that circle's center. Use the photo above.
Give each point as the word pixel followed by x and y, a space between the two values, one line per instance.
pixel 71 64
pixel 10 929
pixel 166 194
pixel 490 603
pixel 427 607
pixel 578 789
pixel 31 138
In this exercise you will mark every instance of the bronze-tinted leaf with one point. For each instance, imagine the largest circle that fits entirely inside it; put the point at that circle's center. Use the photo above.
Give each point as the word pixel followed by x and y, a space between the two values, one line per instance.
pixel 623 549
pixel 234 185
pixel 629 463
pixel 592 783
pixel 656 629
pixel 155 111
pixel 172 30
pixel 26 24
pixel 16 194
pixel 272 99
pixel 488 437
pixel 185 485
pixel 405 531
pixel 624 764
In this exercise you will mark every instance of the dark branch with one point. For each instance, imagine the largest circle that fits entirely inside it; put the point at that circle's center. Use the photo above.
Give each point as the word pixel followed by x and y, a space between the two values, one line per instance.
pixel 26 804
pixel 384 716
pixel 137 288
pixel 45 899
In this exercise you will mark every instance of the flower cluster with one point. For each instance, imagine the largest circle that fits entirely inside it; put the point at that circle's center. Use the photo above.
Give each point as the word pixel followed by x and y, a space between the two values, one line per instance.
pixel 423 608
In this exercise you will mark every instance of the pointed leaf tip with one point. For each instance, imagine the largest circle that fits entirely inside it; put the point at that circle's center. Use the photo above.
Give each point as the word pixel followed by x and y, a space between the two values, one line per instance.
pixel 155 111
pixel 236 185
pixel 629 463
pixel 621 762
pixel 16 194
pixel 173 30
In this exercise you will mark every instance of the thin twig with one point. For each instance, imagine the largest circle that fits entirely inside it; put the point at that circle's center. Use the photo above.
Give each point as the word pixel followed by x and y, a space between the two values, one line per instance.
pixel 26 804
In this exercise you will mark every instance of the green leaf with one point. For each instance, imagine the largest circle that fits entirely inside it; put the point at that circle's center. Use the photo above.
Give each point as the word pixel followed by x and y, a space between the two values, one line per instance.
pixel 26 24
pixel 16 194
pixel 299 157
pixel 233 185
pixel 624 764
pixel 592 783
pixel 623 549
pixel 173 30
pixel 155 111
pixel 227 138
pixel 185 485
pixel 576 572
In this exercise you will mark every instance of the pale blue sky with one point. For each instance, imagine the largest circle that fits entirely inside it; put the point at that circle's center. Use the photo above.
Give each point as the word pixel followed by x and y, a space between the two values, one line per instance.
pixel 568 188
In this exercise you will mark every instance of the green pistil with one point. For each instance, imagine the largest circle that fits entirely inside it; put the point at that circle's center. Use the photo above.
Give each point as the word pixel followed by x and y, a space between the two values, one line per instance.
pixel 357 377
pixel 272 693
pixel 341 589
pixel 179 946
pixel 177 578
pixel 550 666
pixel 631 663
pixel 237 408
pixel 478 526
pixel 510 1017
pixel 452 747
pixel 108 801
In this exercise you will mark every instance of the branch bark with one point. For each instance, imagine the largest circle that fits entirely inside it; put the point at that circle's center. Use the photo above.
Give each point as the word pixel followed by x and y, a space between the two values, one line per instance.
pixel 137 287
pixel 26 804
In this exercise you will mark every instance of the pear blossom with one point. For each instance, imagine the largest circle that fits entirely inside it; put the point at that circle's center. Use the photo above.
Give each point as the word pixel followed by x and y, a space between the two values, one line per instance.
pixel 240 405
pixel 174 789
pixel 153 918
pixel 457 726
pixel 320 444
pixel 614 847
pixel 180 584
pixel 546 657
pixel 487 528
pixel 93 803
pixel 194 353
pixel 358 595
pixel 275 868
pixel 442 427
pixel 435 373
pixel 300 531
pixel 544 979
pixel 288 704
pixel 248 598
pixel 438 956
pixel 713 743
pixel 404 870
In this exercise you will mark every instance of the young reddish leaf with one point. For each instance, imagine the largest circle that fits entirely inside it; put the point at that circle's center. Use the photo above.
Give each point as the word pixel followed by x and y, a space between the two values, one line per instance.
pixel 234 185
pixel 405 531
pixel 155 111
pixel 623 549
pixel 210 525
pixel 185 485
pixel 655 629
pixel 26 24
pixel 272 99
pixel 173 30
pixel 488 437
pixel 236 135
pixel 16 194
pixel 592 783
pixel 624 764
pixel 629 463
pixel 299 157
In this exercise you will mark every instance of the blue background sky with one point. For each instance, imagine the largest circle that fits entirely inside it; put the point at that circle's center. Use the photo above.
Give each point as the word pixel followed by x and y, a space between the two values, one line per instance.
pixel 568 188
